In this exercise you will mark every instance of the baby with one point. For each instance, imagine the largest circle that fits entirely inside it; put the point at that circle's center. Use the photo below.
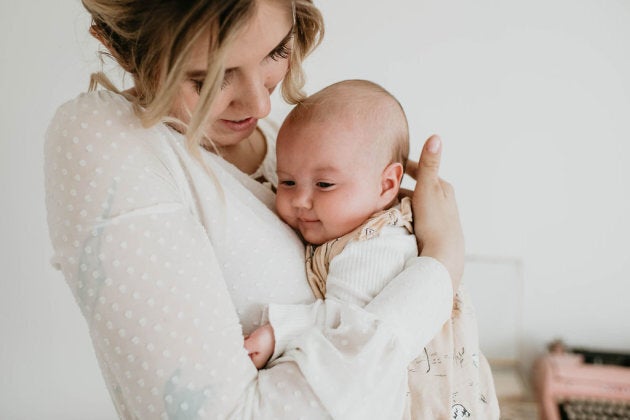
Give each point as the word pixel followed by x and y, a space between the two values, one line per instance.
pixel 341 155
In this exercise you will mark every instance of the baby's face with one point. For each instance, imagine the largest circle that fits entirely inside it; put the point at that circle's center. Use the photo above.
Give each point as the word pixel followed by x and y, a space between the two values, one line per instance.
pixel 329 182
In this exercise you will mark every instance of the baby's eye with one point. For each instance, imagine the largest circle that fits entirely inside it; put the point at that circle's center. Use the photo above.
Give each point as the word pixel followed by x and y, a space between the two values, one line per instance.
pixel 325 184
pixel 287 183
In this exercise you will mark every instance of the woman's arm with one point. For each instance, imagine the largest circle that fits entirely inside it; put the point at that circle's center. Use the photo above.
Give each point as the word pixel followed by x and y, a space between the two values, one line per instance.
pixel 146 277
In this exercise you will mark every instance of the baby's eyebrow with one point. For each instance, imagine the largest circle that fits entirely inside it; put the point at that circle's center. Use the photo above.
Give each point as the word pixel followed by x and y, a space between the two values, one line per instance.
pixel 327 168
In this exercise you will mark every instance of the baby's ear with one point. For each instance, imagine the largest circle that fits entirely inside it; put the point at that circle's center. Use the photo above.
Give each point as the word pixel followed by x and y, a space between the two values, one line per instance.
pixel 390 182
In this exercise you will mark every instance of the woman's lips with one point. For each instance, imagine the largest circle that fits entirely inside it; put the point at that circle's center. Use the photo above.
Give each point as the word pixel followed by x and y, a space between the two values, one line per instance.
pixel 240 125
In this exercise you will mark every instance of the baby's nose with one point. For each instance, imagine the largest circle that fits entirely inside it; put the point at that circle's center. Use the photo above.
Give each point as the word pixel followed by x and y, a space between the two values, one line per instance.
pixel 302 198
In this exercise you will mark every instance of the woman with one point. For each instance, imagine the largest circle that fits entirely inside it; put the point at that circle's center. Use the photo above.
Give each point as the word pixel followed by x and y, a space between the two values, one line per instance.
pixel 172 251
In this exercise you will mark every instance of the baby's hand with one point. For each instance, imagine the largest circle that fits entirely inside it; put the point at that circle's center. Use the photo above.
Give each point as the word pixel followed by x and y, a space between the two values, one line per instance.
pixel 260 344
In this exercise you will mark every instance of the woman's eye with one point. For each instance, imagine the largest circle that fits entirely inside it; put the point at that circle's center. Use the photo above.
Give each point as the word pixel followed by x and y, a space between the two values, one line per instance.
pixel 227 78
pixel 282 51
pixel 197 84
pixel 325 185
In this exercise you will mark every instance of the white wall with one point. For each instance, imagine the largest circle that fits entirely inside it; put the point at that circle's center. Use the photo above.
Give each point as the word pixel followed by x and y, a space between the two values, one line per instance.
pixel 533 102
pixel 532 99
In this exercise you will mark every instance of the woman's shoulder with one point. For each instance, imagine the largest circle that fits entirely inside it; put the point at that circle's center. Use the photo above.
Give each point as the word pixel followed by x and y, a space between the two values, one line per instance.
pixel 101 130
pixel 101 118
pixel 101 108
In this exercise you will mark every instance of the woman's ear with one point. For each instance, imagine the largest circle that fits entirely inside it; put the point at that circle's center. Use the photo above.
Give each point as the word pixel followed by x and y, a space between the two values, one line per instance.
pixel 390 182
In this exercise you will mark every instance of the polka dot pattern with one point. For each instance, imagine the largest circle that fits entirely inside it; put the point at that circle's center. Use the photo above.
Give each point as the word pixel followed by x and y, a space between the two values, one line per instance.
pixel 171 263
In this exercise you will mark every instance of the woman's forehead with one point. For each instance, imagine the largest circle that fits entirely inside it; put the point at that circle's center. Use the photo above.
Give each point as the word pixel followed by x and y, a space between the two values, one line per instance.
pixel 270 25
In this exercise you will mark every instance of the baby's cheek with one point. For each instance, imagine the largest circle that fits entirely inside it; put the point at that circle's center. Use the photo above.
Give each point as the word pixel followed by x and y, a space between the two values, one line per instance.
pixel 282 209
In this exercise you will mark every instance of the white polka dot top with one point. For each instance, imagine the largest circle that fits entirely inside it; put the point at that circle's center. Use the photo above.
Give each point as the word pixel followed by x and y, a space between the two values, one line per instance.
pixel 171 264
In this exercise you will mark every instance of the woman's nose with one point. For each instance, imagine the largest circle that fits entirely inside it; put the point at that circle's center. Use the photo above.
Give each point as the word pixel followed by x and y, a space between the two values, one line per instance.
pixel 256 97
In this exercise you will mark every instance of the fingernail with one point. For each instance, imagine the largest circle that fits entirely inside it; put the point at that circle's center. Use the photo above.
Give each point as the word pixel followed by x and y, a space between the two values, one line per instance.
pixel 434 145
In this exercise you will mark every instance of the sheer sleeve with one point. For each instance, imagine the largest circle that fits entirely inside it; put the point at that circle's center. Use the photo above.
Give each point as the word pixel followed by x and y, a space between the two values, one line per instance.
pixel 147 279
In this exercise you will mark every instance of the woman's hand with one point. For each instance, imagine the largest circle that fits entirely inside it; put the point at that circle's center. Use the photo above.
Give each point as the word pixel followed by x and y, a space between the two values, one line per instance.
pixel 436 218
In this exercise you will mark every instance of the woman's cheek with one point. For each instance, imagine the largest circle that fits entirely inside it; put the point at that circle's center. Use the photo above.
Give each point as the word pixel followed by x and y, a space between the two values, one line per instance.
pixel 278 73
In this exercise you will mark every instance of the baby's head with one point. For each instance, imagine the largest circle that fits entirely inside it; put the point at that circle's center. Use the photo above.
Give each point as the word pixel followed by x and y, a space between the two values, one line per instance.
pixel 341 155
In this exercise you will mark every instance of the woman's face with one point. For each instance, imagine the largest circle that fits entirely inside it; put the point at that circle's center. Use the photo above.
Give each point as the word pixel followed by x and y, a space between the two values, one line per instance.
pixel 255 63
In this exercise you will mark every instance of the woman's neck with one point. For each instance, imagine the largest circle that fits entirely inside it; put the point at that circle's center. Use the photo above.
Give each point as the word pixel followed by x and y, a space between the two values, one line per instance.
pixel 248 154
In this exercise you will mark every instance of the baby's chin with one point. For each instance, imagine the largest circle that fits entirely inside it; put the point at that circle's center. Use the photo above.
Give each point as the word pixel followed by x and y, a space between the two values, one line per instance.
pixel 316 240
pixel 312 241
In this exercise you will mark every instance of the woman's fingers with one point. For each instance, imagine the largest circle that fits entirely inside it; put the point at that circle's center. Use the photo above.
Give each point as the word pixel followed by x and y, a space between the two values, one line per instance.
pixel 436 217
pixel 430 158
pixel 429 166
pixel 447 188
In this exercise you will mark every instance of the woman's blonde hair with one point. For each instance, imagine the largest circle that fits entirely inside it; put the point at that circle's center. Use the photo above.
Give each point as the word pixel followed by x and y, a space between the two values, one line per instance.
pixel 152 41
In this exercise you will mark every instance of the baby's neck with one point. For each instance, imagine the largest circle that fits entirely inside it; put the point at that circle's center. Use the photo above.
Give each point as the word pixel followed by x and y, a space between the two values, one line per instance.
pixel 393 203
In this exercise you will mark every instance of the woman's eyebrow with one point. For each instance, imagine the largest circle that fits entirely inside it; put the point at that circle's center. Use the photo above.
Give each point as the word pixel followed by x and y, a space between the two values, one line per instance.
pixel 201 74
pixel 286 39
pixel 196 74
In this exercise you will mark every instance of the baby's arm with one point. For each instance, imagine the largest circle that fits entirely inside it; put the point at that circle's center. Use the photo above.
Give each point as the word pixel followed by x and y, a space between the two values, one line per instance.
pixel 260 344
pixel 356 276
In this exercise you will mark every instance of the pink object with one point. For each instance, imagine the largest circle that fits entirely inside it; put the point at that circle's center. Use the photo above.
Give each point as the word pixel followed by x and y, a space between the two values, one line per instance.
pixel 561 376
